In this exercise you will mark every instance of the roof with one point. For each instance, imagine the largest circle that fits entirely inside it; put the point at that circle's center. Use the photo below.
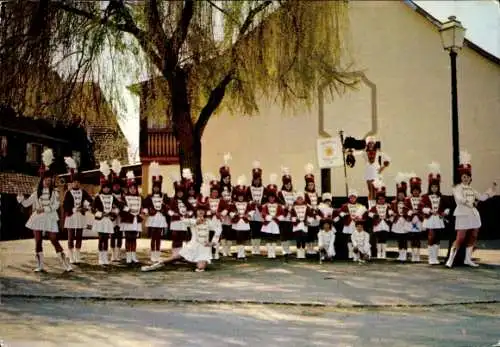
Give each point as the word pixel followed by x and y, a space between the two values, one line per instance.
pixel 15 183
pixel 438 24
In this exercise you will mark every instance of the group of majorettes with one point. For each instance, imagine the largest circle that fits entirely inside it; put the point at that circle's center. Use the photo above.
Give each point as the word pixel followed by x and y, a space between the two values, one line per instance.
pixel 204 226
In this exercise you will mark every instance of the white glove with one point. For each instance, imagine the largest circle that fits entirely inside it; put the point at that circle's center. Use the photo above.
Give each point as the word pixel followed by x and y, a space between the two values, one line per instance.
pixel 391 213
pixel 74 210
pixel 86 204
pixel 98 214
pixel 145 210
pixel 336 219
pixel 170 213
pixel 223 213
pixel 294 219
pixel 269 218
pixel 20 198
pixel 371 214
pixel 190 213
pixel 343 214
pixel 280 218
pixel 310 219
pixel 232 214
pixel 410 213
pixel 447 212
pixel 209 213
pixel 126 209
pixel 426 210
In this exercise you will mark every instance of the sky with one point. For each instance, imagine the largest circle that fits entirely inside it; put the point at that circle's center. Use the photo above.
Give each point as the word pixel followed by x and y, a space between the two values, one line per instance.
pixel 481 18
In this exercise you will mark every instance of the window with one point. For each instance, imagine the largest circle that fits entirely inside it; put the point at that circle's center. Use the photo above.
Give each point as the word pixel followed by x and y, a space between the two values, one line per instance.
pixel 77 156
pixel 33 152
pixel 3 146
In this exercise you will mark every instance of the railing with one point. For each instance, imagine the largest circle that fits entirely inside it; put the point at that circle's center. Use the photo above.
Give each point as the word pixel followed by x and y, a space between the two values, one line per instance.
pixel 160 145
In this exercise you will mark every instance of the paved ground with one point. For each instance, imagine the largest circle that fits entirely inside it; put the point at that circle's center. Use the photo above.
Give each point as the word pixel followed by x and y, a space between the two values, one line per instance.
pixel 37 323
pixel 258 302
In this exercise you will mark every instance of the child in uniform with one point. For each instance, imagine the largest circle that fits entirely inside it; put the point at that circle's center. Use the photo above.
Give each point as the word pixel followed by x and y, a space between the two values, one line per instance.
pixel 272 213
pixel 400 214
pixel 415 216
pixel 381 214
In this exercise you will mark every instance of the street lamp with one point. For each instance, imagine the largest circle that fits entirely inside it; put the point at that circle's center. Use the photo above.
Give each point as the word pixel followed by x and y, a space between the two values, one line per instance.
pixel 452 37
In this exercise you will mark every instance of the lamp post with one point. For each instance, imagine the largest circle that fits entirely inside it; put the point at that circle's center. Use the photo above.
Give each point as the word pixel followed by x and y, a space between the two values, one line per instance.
pixel 452 37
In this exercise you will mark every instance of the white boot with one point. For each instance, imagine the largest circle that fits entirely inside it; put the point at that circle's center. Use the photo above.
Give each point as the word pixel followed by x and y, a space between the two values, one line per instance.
pixel 301 253
pixel 224 247
pixel 105 257
pixel 152 256
pixel 273 250
pixel 216 253
pixel 379 251
pixel 229 245
pixel 351 253
pixel 64 261
pixel 102 256
pixel 417 254
pixel 310 248
pixel 39 262
pixel 129 257
pixel 78 256
pixel 285 245
pixel 269 252
pixel 355 256
pixel 134 257
pixel 453 253
pixel 175 251
pixel 403 255
pixel 114 254
pixel 414 255
pixel 255 246
pixel 383 248
pixel 468 257
pixel 71 256
pixel 241 252
pixel 435 255
pixel 158 256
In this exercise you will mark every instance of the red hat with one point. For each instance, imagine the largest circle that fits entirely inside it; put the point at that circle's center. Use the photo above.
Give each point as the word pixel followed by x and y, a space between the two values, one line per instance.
pixel 415 182
pixel 434 177
pixel 256 171
pixel 272 188
pixel 214 185
pixel 154 170
pixel 285 175
pixel 105 179
pixel 401 185
pixel 202 204
pixel 178 186
pixel 465 166
pixel 241 189
pixel 224 170
pixel 300 195
pixel 309 177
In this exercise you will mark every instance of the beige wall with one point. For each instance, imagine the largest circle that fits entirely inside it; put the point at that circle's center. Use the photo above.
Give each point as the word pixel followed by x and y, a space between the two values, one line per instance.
pixel 167 171
pixel 399 51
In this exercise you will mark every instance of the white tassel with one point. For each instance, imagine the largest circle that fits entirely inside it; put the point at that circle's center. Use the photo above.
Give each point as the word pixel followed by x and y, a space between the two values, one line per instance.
pixel 309 168
pixel 227 158
pixel 205 188
pixel 116 166
pixel 187 174
pixel 174 177
pixel 400 177
pixel 256 164
pixel 104 168
pixel 48 157
pixel 130 175
pixel 70 162
pixel 299 195
pixel 465 158
pixel 285 171
pixel 273 178
pixel 434 168
pixel 154 169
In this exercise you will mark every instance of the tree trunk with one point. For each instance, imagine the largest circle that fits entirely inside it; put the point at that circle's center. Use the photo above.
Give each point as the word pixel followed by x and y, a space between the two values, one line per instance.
pixel 189 139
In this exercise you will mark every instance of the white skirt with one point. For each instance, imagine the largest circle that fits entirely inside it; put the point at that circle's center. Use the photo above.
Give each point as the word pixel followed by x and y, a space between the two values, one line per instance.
pixel 215 224
pixel 467 222
pixel 271 228
pixel 415 226
pixel 241 225
pixel 75 221
pixel 104 225
pixel 400 226
pixel 131 226
pixel 89 220
pixel 156 221
pixel 433 222
pixel 300 227
pixel 382 226
pixel 46 221
pixel 371 172
pixel 195 252
pixel 349 229
pixel 178 225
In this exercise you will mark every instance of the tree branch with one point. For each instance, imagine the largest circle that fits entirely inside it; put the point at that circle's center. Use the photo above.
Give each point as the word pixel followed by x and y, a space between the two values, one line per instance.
pixel 227 14
pixel 129 27
pixel 251 15
pixel 155 27
pixel 174 44
pixel 214 100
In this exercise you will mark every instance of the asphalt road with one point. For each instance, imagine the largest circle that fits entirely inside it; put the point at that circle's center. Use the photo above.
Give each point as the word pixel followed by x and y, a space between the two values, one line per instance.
pixel 42 322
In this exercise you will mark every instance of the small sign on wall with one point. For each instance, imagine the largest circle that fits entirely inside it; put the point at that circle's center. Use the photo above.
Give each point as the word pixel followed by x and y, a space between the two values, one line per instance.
pixel 329 153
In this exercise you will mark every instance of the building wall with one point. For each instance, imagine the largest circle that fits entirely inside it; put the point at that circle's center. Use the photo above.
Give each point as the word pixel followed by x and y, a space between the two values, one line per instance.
pixel 400 52
pixel 167 171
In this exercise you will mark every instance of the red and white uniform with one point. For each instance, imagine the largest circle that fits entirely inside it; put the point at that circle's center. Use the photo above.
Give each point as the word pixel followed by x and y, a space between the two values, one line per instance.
pixel 434 211
pixel 105 213
pixel 218 209
pixel 179 211
pixel 350 212
pixel 312 200
pixel 130 217
pixel 381 215
pixel 300 215
pixel 399 219
pixel 156 208
pixel 414 214
pixel 375 160
pixel 240 213
pixel 272 213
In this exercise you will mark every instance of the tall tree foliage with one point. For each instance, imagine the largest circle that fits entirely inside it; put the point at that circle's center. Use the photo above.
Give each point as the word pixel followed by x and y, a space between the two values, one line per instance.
pixel 200 53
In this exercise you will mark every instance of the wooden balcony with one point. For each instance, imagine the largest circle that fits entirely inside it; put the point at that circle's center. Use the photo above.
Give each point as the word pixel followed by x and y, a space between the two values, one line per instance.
pixel 159 145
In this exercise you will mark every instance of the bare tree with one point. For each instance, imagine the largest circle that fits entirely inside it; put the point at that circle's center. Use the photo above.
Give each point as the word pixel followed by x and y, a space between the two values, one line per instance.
pixel 200 53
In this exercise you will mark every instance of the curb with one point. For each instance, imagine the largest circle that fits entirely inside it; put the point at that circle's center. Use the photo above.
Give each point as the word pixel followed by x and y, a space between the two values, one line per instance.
pixel 243 302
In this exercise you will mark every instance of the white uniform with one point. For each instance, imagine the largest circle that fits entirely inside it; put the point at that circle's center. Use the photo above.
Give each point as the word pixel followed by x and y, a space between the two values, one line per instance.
pixel 48 219
pixel 102 223
pixel 157 220
pixel 466 214
pixel 133 206
pixel 399 225
pixel 198 248
pixel 76 220
pixel 326 241
pixel 361 241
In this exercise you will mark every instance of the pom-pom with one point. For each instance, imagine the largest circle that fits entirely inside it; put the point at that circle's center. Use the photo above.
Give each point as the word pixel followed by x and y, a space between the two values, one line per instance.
pixel 465 158
pixel 273 178
pixel 401 177
pixel 434 168
pixel 242 180
pixel 227 158
pixel 47 157
pixel 104 168
pixel 309 168
pixel 130 175
pixel 256 164
pixel 116 166
pixel 70 163
pixel 154 169
pixel 187 174
pixel 371 139
pixel 285 171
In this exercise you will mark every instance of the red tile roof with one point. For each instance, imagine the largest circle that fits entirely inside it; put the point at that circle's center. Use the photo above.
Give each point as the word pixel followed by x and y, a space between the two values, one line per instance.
pixel 15 183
